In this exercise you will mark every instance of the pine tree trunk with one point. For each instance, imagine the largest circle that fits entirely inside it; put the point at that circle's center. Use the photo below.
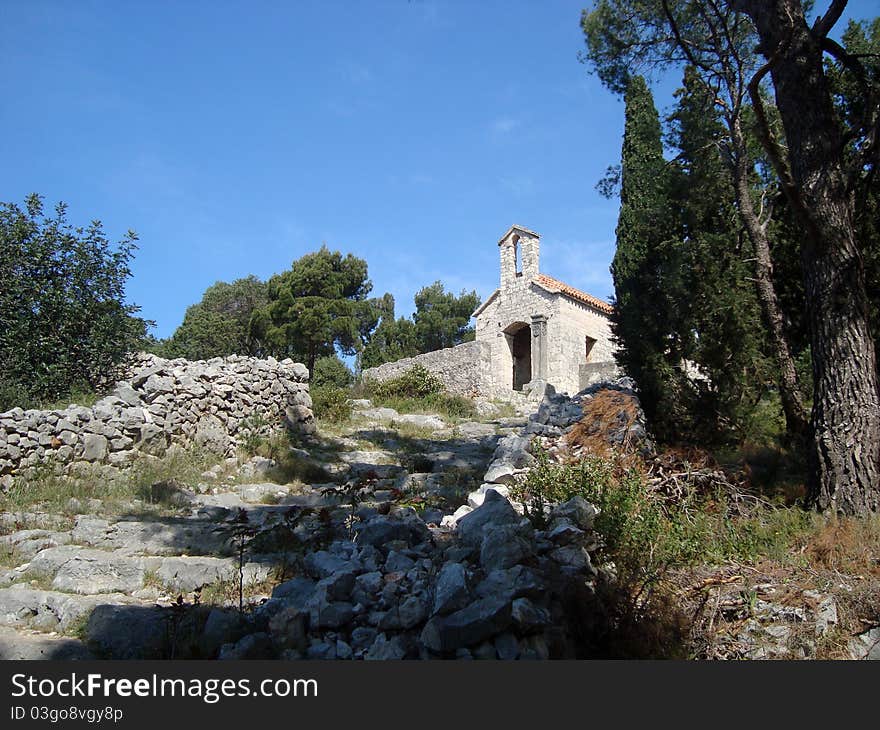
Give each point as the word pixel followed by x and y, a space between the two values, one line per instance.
pixel 789 389
pixel 845 449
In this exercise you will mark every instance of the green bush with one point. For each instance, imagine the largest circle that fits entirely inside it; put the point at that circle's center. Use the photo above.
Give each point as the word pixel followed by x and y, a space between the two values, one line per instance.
pixel 417 382
pixel 330 370
pixel 418 390
pixel 331 403
pixel 640 536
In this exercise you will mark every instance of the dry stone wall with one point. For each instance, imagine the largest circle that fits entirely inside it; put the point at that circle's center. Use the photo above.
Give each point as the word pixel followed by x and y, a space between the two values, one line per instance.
pixel 208 403
pixel 458 367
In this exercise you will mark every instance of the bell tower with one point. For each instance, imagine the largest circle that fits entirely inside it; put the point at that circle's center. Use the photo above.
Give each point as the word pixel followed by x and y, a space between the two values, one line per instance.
pixel 520 250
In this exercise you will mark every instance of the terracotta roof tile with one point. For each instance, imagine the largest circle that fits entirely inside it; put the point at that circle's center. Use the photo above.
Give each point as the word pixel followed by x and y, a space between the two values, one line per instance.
pixel 554 285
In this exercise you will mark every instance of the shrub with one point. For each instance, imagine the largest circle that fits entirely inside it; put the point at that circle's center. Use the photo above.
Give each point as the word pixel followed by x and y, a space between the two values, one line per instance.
pixel 331 403
pixel 331 370
pixel 417 382
pixel 418 390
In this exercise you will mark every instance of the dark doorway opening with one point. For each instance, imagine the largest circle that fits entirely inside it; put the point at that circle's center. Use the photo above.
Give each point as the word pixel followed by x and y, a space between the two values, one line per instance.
pixel 521 350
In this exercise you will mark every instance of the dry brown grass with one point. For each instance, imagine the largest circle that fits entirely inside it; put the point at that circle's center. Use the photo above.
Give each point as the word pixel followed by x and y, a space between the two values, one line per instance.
pixel 606 413
pixel 847 545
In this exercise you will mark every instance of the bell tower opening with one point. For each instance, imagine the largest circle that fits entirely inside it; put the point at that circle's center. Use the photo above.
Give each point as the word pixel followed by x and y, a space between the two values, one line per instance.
pixel 520 250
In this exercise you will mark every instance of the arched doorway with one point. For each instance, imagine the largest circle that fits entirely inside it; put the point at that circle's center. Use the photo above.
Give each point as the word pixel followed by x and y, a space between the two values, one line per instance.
pixel 519 340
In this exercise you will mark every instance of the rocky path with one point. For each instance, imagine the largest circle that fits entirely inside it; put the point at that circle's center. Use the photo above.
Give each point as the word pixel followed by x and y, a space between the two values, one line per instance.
pixel 119 585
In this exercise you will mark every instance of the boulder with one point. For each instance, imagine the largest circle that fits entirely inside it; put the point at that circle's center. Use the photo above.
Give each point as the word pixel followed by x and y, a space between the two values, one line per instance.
pixel 477 622
pixel 380 530
pixel 494 511
pixel 503 547
pixel 451 591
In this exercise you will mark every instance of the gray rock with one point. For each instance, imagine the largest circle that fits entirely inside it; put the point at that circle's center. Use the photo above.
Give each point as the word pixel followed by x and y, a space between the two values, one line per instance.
pixel 212 436
pixel 194 572
pixel 253 646
pixel 576 510
pixel 422 421
pixel 151 439
pixel 128 632
pixel 511 456
pixel 295 592
pixel 378 414
pixel 368 586
pixel 506 646
pixel 329 615
pixel 343 650
pixel 88 571
pixel 221 627
pixel 564 532
pixel 336 586
pixel 516 582
pixel 322 563
pixel 451 591
pixel 289 628
pixel 503 547
pixel 412 612
pixel 30 647
pixel 494 511
pixel 381 530
pixel 127 394
pixel 866 645
pixel 398 562
pixel 528 617
pixel 384 649
pixel 95 447
pixel 573 557
pixel 363 637
pixel 477 622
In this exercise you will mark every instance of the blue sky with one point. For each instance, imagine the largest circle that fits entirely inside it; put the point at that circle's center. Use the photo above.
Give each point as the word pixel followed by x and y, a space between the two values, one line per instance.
pixel 235 137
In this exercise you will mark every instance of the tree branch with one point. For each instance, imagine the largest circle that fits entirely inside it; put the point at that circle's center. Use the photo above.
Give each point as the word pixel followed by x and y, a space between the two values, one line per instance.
pixel 870 121
pixel 774 151
pixel 823 25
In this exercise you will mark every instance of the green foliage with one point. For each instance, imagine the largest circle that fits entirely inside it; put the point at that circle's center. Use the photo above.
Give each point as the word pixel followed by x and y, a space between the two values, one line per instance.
pixel 417 382
pixel 394 339
pixel 717 314
pixel 319 305
pixel 644 314
pixel 640 537
pixel 64 321
pixel 331 404
pixel 219 324
pixel 441 320
pixel 330 370
pixel 418 390
pixel 646 533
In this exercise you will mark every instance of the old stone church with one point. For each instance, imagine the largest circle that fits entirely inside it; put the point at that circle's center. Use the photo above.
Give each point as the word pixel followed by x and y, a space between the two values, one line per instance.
pixel 533 327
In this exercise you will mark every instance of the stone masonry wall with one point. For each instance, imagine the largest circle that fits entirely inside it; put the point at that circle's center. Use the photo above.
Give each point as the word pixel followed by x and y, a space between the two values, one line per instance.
pixel 207 403
pixel 567 331
pixel 458 367
pixel 515 304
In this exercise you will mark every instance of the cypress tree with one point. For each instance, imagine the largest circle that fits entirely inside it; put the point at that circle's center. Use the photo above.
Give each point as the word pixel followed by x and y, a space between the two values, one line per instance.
pixel 719 316
pixel 642 322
